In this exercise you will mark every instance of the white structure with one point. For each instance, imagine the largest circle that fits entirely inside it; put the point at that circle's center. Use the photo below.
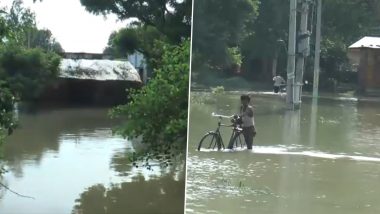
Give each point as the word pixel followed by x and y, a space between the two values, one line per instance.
pixel 98 69
pixel 138 61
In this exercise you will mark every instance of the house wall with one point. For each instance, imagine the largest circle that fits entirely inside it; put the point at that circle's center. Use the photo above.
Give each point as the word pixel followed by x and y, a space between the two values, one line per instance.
pixel 369 69
pixel 375 80
pixel 88 92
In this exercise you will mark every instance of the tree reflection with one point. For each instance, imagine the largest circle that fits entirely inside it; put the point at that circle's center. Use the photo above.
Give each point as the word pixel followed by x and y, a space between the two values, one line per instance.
pixel 43 131
pixel 164 195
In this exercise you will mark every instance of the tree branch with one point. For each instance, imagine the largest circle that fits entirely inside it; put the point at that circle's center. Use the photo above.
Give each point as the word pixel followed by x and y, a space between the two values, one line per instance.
pixel 16 193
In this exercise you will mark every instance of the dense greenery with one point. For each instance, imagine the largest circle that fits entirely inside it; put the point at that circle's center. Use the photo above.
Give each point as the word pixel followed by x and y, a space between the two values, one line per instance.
pixel 165 21
pixel 28 61
pixel 158 112
pixel 259 29
pixel 218 30
pixel 28 71
pixel 7 101
pixel 18 27
pixel 138 38
pixel 170 17
pixel 7 123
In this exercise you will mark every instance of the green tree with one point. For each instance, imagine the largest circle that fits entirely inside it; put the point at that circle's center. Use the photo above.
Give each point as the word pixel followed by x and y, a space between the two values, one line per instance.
pixel 340 30
pixel 136 38
pixel 7 100
pixel 20 22
pixel 7 123
pixel 158 112
pixel 220 27
pixel 260 48
pixel 44 39
pixel 259 34
pixel 27 71
pixel 170 17
pixel 27 63
pixel 18 27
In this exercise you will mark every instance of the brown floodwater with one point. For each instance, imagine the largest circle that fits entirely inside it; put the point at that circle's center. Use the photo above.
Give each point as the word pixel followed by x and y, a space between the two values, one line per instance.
pixel 324 158
pixel 68 160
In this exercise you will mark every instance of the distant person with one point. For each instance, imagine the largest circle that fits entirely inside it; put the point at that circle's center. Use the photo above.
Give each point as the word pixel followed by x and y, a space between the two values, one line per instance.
pixel 278 82
pixel 248 123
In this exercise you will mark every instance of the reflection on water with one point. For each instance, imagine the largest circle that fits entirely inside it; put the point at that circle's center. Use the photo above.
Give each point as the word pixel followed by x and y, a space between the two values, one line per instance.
pixel 322 159
pixel 130 197
pixel 66 158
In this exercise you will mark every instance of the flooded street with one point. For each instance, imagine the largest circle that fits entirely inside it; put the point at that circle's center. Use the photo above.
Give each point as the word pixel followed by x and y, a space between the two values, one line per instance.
pixel 322 159
pixel 69 162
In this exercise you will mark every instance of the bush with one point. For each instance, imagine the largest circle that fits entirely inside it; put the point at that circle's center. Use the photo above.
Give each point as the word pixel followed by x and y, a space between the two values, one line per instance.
pixel 28 71
pixel 217 90
pixel 158 111
pixel 7 101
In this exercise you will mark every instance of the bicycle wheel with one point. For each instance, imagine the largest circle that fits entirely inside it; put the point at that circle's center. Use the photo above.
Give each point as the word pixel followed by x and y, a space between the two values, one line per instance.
pixel 209 141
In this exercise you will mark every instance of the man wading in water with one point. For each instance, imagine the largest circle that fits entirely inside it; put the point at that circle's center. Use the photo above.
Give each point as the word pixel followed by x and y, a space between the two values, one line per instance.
pixel 278 82
pixel 248 123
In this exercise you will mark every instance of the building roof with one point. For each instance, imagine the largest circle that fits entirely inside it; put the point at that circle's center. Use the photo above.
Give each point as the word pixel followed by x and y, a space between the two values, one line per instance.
pixel 98 69
pixel 367 42
pixel 85 55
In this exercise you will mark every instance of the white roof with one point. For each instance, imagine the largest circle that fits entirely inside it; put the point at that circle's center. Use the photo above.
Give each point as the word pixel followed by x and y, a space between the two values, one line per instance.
pixel 367 42
pixel 98 69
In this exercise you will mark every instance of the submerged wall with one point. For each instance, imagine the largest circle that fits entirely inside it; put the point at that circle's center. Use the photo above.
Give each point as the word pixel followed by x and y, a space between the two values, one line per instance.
pixel 88 92
pixel 369 70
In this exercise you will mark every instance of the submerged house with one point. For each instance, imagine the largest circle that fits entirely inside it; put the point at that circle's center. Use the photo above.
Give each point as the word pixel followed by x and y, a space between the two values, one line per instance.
pixel 365 56
pixel 93 79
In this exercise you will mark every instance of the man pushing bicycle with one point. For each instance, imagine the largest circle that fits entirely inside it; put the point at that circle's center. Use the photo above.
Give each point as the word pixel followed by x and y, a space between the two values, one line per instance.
pixel 247 122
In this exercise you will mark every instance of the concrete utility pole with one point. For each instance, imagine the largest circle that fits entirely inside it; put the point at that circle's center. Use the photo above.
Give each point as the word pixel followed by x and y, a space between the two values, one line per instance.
pixel 291 54
pixel 303 51
pixel 317 49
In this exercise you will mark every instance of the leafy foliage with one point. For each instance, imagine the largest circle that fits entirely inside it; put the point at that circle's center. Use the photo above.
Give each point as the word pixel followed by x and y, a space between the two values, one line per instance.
pixel 257 30
pixel 137 38
pixel 7 101
pixel 165 21
pixel 23 71
pixel 18 27
pixel 158 112
pixel 218 26
pixel 28 71
pixel 170 17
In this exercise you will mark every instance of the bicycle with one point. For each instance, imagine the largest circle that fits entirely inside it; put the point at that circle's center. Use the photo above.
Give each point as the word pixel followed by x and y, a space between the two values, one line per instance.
pixel 214 139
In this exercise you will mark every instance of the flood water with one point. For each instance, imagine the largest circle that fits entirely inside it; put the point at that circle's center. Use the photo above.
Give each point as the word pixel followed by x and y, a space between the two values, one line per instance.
pixel 68 160
pixel 322 159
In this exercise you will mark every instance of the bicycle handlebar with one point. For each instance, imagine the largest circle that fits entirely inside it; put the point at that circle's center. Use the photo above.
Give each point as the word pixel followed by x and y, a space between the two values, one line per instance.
pixel 220 116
